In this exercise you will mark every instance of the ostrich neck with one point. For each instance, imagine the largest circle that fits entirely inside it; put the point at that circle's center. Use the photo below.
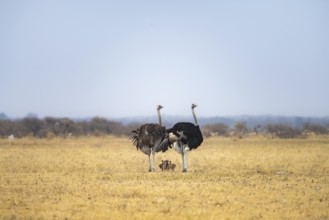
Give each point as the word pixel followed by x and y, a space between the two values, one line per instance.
pixel 195 120
pixel 159 116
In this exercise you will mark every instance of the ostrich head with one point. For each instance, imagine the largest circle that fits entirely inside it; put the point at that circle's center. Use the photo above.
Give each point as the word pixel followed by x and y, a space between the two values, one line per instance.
pixel 159 116
pixel 195 120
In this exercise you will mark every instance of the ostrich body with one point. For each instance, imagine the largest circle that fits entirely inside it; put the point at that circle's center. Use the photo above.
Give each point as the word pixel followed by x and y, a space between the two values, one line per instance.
pixel 185 136
pixel 147 138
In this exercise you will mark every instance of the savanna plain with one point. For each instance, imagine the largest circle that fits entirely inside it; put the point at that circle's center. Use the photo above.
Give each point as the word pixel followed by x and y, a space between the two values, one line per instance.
pixel 107 178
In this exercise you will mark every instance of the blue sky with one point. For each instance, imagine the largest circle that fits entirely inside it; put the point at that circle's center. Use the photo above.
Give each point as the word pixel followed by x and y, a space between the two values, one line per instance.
pixel 122 58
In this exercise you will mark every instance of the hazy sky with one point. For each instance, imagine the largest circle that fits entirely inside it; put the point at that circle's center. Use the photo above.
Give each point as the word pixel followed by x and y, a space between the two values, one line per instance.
pixel 122 58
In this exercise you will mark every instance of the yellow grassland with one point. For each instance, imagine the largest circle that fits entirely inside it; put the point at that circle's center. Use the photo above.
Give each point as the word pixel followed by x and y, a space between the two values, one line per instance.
pixel 107 178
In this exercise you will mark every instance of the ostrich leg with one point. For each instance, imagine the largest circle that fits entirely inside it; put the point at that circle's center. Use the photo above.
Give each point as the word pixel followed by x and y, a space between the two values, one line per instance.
pixel 149 156
pixel 185 152
pixel 183 158
pixel 181 151
pixel 153 159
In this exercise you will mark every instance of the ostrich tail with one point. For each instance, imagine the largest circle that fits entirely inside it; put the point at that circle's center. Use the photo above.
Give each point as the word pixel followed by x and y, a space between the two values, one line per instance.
pixel 135 138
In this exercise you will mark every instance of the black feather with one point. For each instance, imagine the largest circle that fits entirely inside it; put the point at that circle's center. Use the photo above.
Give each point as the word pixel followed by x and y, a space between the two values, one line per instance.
pixel 188 134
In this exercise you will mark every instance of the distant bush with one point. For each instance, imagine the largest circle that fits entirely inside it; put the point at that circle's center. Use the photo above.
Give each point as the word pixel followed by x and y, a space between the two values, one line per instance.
pixel 218 129
pixel 6 128
pixel 240 129
pixel 283 131
pixel 316 128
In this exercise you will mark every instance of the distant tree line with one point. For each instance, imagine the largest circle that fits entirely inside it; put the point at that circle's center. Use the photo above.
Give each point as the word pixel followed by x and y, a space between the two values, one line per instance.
pixel 241 130
pixel 98 126
pixel 62 127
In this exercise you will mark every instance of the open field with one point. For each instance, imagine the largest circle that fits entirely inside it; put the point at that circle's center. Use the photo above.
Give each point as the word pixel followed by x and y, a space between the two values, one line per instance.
pixel 107 178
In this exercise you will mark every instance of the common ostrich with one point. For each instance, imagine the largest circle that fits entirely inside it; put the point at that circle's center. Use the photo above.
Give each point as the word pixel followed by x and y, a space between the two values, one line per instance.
pixel 166 165
pixel 185 136
pixel 148 137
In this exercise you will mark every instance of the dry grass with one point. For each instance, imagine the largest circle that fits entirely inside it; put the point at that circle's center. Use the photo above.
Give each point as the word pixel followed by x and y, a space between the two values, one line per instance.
pixel 107 178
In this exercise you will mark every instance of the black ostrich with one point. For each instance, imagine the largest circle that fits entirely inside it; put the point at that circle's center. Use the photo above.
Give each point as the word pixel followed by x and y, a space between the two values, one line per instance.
pixel 147 138
pixel 185 136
